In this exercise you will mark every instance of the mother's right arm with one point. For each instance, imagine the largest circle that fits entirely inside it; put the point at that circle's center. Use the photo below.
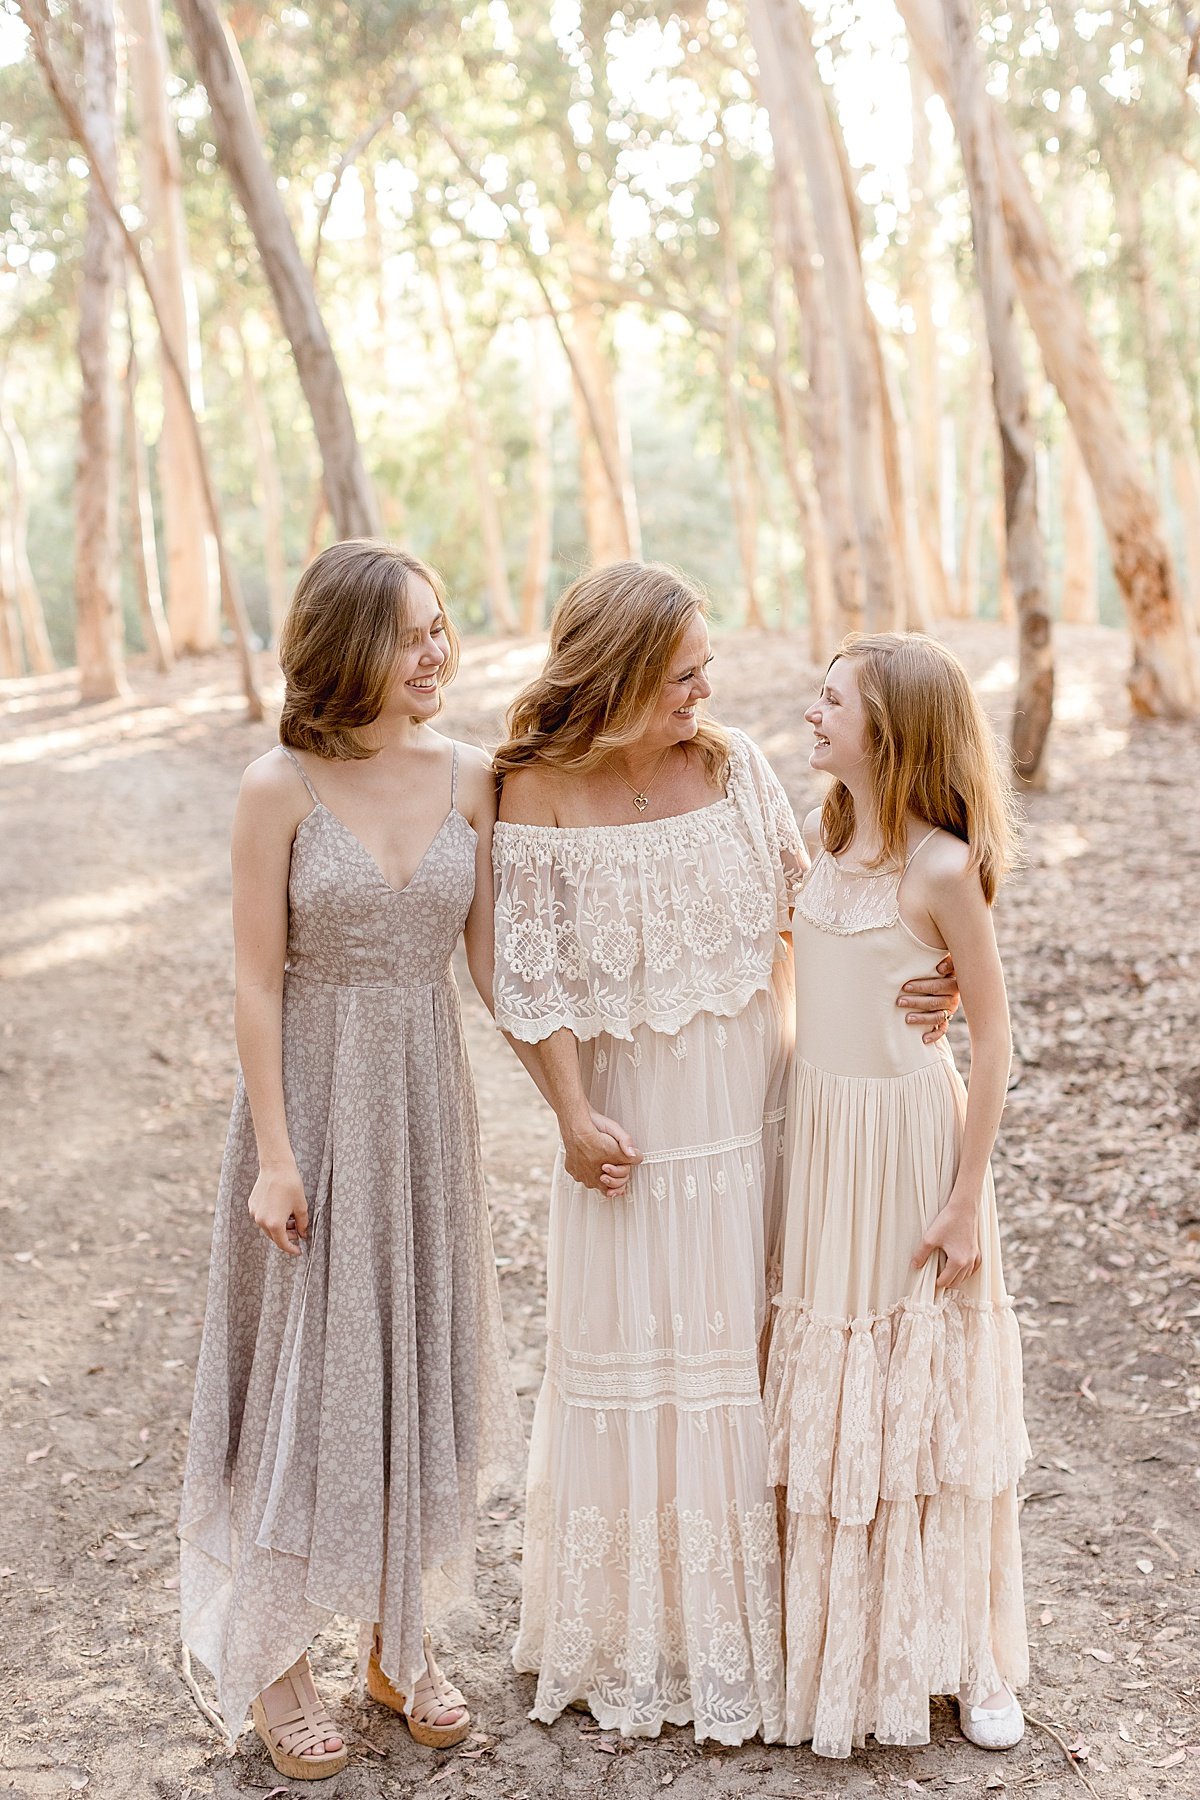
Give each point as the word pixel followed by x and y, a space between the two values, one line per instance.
pixel 270 806
pixel 597 1151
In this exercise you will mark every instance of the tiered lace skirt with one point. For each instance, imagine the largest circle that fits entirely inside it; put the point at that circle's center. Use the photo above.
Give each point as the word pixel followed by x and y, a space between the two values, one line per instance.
pixel 651 1564
pixel 895 1422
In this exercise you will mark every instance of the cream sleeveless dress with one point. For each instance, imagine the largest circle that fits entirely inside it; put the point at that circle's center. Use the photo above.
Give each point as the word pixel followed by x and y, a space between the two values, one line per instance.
pixel 894 1410
pixel 650 1576
pixel 349 1400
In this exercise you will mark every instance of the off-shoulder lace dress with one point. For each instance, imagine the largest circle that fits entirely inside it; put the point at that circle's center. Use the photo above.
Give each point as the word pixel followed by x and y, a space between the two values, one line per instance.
pixel 894 1410
pixel 651 1567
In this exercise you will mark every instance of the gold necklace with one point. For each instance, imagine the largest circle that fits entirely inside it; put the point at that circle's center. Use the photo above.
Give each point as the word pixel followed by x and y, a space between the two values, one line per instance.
pixel 641 796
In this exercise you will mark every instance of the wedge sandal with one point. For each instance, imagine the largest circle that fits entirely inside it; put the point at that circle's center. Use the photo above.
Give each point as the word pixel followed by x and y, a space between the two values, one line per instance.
pixel 432 1696
pixel 298 1729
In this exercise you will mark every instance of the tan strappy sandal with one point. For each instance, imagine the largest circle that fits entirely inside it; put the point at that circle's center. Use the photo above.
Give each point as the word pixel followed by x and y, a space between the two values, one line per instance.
pixel 433 1695
pixel 301 1726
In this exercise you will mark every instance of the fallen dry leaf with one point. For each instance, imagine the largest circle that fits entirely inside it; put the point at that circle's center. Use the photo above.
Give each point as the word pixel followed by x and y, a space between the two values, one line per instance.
pixel 37 1455
pixel 1171 1762
pixel 1105 1656
pixel 1145 1565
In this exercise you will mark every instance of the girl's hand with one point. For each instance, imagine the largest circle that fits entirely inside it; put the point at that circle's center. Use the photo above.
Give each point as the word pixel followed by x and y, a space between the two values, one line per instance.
pixel 955 1232
pixel 599 1154
pixel 278 1206
pixel 931 1001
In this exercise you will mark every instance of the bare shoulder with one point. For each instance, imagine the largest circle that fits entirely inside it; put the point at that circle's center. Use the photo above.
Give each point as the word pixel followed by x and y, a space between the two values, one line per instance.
pixel 528 796
pixel 271 783
pixel 944 867
pixel 810 830
pixel 476 777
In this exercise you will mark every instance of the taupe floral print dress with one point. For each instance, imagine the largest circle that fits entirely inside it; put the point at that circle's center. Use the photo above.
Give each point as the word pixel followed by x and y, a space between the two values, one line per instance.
pixel 349 1400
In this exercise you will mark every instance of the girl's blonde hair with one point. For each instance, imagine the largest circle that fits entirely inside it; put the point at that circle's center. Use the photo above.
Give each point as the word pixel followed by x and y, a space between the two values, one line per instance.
pixel 613 637
pixel 340 640
pixel 931 752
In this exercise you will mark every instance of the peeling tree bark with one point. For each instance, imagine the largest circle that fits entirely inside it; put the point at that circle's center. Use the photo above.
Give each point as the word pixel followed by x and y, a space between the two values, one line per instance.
pixel 926 411
pixel 219 64
pixel 609 505
pixel 1164 680
pixel 1026 557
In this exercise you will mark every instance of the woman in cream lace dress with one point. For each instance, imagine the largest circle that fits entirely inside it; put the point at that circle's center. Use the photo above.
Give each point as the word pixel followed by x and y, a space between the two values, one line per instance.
pixel 645 862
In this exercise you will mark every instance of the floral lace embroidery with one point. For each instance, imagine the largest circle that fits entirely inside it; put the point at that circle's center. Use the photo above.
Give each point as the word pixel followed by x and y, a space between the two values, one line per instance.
pixel 605 928
pixel 834 900
pixel 696 1634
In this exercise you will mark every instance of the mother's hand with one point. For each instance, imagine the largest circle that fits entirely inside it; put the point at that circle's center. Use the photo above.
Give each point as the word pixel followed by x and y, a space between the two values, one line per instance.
pixel 599 1154
pixel 931 1001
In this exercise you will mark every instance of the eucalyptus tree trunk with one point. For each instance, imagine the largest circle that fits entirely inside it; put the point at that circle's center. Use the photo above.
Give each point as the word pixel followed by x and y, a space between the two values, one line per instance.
pixel 142 544
pixel 818 576
pixel 1025 552
pixel 535 576
pixel 1164 680
pixel 1079 605
pixel 782 43
pixel 235 128
pixel 606 482
pixel 742 482
pixel 99 636
pixel 270 485
pixel 499 597
pixel 926 408
pixel 825 410
pixel 193 601
pixel 14 528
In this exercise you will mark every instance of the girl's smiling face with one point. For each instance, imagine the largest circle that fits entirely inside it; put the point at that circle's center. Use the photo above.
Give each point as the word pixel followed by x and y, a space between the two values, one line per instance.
pixel 420 655
pixel 839 722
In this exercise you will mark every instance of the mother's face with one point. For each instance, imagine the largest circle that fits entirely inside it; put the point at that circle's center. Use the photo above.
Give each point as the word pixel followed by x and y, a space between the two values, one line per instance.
pixel 687 684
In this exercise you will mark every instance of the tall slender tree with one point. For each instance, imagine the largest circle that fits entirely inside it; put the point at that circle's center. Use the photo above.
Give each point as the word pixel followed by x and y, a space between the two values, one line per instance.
pixel 1165 678
pixel 235 127
pixel 192 597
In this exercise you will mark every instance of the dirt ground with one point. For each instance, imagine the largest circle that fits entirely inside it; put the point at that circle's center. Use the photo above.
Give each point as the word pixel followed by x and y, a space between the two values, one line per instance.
pixel 116 1067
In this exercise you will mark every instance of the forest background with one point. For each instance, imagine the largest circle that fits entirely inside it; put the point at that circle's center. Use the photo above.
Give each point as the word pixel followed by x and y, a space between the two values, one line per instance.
pixel 721 284
pixel 864 315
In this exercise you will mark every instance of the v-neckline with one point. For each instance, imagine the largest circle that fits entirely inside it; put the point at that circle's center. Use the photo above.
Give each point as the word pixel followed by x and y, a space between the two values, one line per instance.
pixel 396 892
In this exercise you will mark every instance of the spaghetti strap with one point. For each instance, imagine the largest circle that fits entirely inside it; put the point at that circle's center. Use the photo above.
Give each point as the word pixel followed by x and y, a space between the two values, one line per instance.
pixel 453 778
pixel 295 762
pixel 932 832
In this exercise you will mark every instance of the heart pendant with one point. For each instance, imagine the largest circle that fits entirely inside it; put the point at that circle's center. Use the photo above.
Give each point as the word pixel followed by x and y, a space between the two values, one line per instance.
pixel 641 801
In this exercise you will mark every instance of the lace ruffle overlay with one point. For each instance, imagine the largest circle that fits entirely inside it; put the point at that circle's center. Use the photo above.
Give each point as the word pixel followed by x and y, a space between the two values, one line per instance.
pixel 900 1441
pixel 605 928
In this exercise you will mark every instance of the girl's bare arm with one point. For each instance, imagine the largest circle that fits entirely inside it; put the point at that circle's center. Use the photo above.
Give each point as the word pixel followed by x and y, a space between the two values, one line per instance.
pixel 270 805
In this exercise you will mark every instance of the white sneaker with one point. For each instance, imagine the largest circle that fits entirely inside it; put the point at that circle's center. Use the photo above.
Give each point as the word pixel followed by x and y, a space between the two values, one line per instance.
pixel 992 1728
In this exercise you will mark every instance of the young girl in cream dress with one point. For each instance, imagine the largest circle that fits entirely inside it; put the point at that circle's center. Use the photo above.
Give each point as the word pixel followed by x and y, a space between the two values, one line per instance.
pixel 894 1381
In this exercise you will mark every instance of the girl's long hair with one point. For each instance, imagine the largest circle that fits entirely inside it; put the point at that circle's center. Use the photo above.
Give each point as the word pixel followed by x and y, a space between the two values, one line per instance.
pixel 931 752
pixel 340 640
pixel 613 637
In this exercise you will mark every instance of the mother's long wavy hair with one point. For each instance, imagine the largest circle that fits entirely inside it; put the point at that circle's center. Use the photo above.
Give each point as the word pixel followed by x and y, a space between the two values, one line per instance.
pixel 614 635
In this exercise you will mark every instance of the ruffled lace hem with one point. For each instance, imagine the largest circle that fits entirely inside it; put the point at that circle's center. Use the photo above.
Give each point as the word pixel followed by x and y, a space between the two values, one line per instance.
pixel 894 1406
pixel 899 1439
